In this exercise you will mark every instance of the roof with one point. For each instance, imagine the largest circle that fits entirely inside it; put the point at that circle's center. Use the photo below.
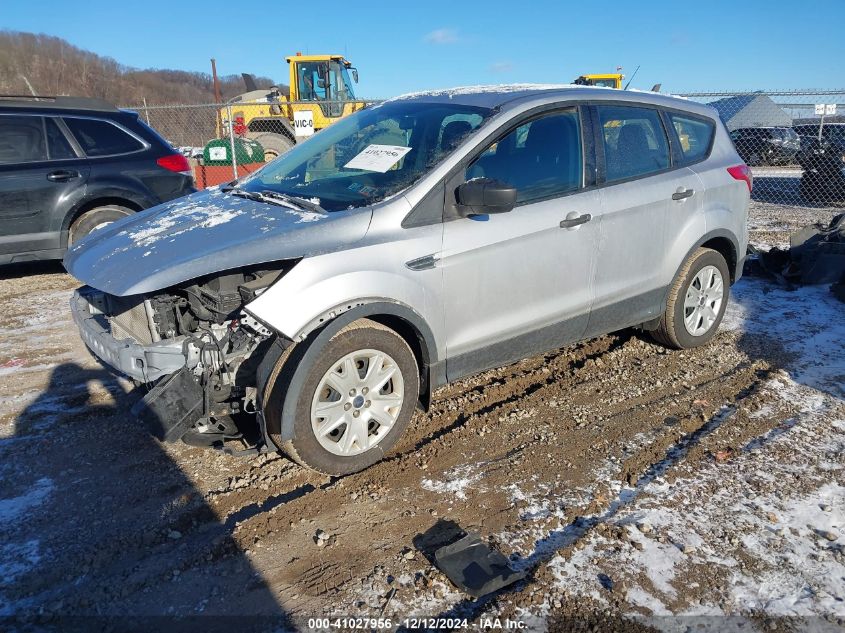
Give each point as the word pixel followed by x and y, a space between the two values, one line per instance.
pixel 497 96
pixel 48 102
pixel 755 110
pixel 312 58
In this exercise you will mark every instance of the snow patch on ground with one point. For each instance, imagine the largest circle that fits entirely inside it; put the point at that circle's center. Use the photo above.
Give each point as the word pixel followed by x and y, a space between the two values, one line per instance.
pixel 790 539
pixel 457 481
pixel 15 560
pixel 14 508
pixel 808 322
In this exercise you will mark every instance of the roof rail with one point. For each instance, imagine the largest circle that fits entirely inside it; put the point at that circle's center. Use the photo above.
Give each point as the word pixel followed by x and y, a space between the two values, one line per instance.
pixel 45 101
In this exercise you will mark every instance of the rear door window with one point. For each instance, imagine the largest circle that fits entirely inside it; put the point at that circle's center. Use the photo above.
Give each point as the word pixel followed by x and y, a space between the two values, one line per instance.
pixel 22 140
pixel 635 143
pixel 541 158
pixel 695 136
pixel 102 138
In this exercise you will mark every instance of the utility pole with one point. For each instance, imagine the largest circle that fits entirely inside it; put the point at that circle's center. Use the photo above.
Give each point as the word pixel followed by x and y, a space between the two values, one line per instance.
pixel 217 98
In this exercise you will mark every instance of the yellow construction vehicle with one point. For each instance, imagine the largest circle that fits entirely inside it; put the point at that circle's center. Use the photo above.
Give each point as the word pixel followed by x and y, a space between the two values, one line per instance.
pixel 609 80
pixel 321 83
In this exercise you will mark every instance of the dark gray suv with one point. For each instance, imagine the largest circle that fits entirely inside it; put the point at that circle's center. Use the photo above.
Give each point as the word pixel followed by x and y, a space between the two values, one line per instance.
pixel 70 165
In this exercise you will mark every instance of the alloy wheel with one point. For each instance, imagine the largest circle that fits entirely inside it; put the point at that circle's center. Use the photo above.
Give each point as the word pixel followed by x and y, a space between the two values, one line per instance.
pixel 703 300
pixel 357 402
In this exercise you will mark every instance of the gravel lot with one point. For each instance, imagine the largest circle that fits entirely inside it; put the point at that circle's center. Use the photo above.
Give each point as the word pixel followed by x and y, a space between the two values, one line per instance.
pixel 634 483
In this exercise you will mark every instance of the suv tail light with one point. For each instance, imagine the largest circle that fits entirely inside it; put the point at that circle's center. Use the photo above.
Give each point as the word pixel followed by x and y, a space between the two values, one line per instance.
pixel 742 172
pixel 175 162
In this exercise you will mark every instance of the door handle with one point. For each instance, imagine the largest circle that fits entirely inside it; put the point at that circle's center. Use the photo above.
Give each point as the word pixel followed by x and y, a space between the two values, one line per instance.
pixel 682 194
pixel 62 175
pixel 572 222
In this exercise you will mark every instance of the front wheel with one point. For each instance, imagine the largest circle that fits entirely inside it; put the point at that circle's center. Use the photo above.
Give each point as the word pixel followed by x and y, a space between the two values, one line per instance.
pixel 274 145
pixel 357 397
pixel 697 301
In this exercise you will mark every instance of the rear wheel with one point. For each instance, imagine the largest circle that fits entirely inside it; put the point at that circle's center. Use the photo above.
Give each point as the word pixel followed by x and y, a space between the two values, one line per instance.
pixel 356 400
pixel 697 301
pixel 94 220
pixel 274 144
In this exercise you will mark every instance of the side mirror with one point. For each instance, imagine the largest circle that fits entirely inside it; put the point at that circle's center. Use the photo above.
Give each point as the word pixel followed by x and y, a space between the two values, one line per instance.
pixel 355 75
pixel 481 196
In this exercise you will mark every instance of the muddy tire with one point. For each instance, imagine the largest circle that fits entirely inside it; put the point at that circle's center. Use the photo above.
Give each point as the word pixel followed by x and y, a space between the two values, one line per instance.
pixel 274 144
pixel 95 219
pixel 697 301
pixel 357 396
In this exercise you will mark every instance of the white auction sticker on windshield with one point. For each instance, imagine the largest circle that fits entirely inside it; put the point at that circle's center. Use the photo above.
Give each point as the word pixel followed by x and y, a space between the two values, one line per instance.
pixel 378 158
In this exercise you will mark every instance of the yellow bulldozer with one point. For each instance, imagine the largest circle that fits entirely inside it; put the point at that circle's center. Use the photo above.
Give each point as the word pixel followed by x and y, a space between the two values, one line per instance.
pixel 609 80
pixel 322 86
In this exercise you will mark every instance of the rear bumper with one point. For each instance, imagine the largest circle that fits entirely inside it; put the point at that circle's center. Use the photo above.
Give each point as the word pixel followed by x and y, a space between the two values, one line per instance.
pixel 144 363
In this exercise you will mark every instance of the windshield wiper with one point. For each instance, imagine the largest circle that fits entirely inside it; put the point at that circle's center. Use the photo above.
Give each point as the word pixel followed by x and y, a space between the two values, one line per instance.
pixel 302 203
pixel 243 193
pixel 279 199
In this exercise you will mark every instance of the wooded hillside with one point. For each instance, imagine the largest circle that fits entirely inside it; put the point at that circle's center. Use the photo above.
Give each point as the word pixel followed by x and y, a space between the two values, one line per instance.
pixel 53 66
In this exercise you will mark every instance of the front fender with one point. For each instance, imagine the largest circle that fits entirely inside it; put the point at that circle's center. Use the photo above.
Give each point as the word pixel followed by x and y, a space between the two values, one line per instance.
pixel 297 304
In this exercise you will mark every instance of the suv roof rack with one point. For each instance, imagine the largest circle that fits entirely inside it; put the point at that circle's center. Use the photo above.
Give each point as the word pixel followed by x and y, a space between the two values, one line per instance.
pixel 44 101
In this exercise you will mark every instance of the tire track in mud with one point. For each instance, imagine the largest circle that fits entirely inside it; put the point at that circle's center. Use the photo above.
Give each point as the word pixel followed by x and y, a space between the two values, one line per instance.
pixel 523 385
pixel 510 385
pixel 742 374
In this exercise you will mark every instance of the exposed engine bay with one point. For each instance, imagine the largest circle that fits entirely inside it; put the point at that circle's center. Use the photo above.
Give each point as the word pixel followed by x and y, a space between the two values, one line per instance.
pixel 216 382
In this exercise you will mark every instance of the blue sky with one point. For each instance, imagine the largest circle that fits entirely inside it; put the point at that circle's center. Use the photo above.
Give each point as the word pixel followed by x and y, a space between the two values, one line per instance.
pixel 401 46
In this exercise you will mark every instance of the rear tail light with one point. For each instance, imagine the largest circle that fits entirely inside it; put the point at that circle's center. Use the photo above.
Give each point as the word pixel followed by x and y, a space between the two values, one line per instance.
pixel 175 162
pixel 742 172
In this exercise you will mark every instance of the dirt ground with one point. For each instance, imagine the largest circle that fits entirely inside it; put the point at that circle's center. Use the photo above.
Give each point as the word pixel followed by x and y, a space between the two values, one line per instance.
pixel 642 489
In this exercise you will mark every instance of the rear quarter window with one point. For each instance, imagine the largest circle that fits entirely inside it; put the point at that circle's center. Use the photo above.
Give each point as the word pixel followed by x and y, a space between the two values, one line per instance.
pixel 102 138
pixel 695 136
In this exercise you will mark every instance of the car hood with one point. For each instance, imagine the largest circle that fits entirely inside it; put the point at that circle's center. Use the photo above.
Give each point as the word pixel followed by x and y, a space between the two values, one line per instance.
pixel 201 234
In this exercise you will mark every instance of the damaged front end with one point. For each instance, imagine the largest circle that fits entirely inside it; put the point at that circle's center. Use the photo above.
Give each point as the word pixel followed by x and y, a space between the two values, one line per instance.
pixel 193 345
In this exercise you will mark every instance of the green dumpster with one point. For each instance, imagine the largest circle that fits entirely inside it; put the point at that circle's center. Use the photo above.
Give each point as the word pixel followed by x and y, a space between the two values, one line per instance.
pixel 218 152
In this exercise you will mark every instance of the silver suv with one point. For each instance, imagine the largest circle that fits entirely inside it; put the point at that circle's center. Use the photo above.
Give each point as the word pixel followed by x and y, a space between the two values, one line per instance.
pixel 317 303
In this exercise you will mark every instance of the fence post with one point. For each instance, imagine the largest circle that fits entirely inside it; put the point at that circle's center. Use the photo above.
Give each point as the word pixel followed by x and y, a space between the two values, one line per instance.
pixel 232 143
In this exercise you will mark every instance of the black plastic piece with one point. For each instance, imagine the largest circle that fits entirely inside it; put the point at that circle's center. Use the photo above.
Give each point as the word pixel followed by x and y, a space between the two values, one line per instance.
pixel 475 567
pixel 172 406
pixel 485 195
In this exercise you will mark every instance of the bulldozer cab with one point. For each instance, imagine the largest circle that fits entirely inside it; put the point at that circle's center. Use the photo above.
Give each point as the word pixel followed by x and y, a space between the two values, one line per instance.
pixel 321 92
pixel 325 79
pixel 610 80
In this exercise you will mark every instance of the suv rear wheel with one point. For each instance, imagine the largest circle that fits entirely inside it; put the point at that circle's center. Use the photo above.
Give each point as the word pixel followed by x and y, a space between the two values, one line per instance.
pixel 357 398
pixel 697 301
pixel 95 219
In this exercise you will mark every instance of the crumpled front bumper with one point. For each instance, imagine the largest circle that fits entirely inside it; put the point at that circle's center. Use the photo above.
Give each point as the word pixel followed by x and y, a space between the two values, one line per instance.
pixel 144 363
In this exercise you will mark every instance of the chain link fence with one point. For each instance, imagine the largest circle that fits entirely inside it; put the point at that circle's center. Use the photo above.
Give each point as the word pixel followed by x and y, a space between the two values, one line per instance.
pixel 227 141
pixel 795 153
pixel 797 156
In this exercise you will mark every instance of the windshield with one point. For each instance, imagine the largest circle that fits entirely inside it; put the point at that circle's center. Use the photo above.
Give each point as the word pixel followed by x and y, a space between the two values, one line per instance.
pixel 321 81
pixel 370 155
pixel 341 83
